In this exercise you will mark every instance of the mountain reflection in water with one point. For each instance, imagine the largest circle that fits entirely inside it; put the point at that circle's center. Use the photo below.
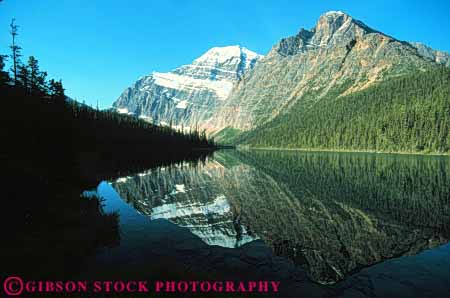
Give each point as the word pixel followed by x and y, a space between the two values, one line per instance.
pixel 331 213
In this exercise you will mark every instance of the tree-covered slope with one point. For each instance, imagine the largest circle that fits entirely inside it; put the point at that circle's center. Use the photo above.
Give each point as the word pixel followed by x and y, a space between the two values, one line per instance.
pixel 410 114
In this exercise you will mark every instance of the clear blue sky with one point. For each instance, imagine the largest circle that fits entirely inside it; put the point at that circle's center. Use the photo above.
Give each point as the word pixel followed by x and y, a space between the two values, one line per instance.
pixel 100 47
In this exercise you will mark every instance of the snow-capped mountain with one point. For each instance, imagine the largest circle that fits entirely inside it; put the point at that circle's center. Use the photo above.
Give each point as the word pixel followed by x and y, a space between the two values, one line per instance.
pixel 231 90
pixel 188 94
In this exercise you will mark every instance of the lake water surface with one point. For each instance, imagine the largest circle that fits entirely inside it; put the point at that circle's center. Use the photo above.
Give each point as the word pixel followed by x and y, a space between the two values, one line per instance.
pixel 302 215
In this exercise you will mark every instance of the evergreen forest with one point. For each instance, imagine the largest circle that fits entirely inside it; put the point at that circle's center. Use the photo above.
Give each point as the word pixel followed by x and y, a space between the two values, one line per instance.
pixel 406 114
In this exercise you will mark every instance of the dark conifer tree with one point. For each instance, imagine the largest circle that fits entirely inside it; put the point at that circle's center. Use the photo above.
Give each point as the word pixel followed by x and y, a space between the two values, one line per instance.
pixel 41 82
pixel 4 77
pixel 33 68
pixel 23 78
pixel 15 49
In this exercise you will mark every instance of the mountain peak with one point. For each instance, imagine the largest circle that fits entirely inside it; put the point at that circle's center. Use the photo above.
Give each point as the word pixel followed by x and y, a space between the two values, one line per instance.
pixel 220 55
pixel 333 18
pixel 188 94
pixel 334 12
pixel 333 27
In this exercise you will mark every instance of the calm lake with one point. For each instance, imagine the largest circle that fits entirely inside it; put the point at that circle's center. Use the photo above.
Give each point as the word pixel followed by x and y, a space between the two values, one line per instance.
pixel 321 217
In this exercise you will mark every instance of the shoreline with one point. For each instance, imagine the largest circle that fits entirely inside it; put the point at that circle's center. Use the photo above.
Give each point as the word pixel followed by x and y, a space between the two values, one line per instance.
pixel 342 151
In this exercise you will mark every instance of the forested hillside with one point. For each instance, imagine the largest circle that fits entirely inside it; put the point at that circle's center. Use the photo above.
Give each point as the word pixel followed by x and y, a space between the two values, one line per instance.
pixel 45 132
pixel 406 114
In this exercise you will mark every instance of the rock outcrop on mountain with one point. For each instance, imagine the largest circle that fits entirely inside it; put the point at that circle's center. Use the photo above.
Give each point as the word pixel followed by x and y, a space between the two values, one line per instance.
pixel 439 57
pixel 188 95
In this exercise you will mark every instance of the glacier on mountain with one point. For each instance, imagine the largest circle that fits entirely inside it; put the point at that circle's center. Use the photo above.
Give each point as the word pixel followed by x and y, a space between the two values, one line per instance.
pixel 188 95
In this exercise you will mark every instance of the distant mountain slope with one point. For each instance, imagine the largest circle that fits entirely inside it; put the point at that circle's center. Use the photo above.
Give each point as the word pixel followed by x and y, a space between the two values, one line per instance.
pixel 189 94
pixel 340 52
pixel 438 56
pixel 410 113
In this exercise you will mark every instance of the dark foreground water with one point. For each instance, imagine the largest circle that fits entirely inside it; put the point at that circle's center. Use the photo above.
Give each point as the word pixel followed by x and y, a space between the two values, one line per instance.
pixel 325 224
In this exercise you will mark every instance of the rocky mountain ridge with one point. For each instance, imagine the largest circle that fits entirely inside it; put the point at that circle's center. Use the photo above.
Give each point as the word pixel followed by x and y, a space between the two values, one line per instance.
pixel 187 95
pixel 232 87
